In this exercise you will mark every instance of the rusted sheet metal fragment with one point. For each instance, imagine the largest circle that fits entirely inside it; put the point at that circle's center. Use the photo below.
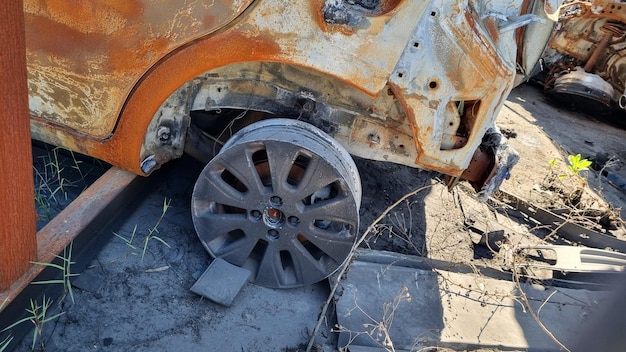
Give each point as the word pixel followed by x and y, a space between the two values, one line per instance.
pixel 611 10
pixel 84 57
pixel 453 62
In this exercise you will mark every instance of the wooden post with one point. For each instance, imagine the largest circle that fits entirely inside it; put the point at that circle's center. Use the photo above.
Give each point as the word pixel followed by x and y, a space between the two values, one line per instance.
pixel 18 242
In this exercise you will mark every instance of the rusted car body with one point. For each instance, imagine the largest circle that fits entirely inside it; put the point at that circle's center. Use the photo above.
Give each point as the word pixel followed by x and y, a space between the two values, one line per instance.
pixel 274 96
pixel 390 73
pixel 586 55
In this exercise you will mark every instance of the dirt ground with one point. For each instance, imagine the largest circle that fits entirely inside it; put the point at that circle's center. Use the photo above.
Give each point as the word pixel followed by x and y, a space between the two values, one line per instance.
pixel 131 299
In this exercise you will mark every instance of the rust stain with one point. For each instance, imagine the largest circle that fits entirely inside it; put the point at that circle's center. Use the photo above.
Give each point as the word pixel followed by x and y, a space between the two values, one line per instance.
pixel 140 57
pixel 481 169
pixel 62 41
pixel 491 24
pixel 520 32
pixel 387 6
pixel 318 16
pixel 397 91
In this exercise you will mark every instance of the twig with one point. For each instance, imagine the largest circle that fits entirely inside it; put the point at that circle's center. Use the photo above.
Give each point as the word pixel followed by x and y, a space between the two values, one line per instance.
pixel 532 312
pixel 546 301
pixel 342 270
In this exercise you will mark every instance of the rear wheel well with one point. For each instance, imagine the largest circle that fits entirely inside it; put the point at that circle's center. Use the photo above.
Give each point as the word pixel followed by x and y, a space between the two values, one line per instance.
pixel 212 107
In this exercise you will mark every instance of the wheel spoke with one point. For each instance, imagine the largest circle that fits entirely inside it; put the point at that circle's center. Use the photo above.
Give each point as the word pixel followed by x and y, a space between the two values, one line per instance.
pixel 337 209
pixel 222 193
pixel 305 264
pixel 215 225
pixel 239 163
pixel 236 252
pixel 280 159
pixel 335 248
pixel 318 175
pixel 269 267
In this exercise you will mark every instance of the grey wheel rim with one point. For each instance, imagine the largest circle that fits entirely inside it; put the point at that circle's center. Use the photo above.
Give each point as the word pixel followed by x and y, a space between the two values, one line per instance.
pixel 280 199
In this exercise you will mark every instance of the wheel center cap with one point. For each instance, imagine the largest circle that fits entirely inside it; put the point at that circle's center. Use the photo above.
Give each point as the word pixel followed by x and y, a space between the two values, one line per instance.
pixel 273 218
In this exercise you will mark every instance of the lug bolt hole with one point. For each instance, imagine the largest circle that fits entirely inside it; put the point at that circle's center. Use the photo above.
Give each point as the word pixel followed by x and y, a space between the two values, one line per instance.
pixel 293 221
pixel 272 234
pixel 276 201
pixel 256 215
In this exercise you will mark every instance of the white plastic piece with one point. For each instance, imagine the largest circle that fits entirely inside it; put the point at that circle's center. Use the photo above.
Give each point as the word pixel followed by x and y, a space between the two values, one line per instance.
pixel 581 259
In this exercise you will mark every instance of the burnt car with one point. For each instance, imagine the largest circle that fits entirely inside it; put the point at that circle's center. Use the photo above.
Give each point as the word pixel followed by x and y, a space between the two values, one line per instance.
pixel 275 96
pixel 584 63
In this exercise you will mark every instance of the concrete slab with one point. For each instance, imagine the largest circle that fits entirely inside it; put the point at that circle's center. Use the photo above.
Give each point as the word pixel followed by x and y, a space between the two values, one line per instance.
pixel 221 282
pixel 394 307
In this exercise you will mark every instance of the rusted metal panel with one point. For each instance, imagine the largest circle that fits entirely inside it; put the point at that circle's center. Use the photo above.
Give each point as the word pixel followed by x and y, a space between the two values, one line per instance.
pixel 85 56
pixel 448 67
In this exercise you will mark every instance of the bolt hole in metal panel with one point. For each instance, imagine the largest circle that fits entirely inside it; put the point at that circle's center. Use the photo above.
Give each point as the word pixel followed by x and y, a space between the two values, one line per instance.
pixel 281 199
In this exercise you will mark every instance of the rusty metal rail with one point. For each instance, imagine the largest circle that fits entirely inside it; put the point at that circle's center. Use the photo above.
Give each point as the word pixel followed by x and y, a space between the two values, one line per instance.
pixel 84 223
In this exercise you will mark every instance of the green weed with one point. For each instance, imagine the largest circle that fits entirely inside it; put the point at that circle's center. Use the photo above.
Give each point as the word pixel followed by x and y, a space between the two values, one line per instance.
pixel 155 229
pixel 38 317
pixel 4 344
pixel 65 268
pixel 152 234
pixel 56 171
pixel 577 164
pixel 129 241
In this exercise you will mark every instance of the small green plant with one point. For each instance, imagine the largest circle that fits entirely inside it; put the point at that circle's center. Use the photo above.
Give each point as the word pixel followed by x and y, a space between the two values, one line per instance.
pixel 65 268
pixel 55 172
pixel 571 193
pixel 55 165
pixel 155 229
pixel 45 195
pixel 151 234
pixel 576 164
pixel 49 182
pixel 76 166
pixel 552 165
pixel 39 317
pixel 129 241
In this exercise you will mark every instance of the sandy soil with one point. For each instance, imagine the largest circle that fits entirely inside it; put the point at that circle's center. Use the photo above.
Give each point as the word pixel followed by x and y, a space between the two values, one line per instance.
pixel 129 303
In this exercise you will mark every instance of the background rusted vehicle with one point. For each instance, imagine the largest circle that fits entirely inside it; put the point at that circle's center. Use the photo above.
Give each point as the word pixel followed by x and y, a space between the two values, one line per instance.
pixel 586 56
pixel 275 96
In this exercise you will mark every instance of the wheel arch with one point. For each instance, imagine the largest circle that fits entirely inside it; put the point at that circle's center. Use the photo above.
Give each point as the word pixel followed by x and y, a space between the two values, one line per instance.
pixel 283 89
